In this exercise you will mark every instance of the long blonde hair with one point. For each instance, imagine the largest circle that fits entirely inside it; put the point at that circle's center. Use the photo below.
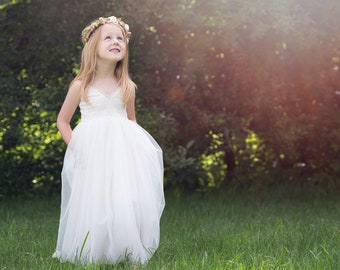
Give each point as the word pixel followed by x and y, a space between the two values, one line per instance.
pixel 88 65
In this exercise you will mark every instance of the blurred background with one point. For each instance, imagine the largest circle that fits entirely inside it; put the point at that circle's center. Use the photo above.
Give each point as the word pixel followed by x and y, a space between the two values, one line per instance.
pixel 239 93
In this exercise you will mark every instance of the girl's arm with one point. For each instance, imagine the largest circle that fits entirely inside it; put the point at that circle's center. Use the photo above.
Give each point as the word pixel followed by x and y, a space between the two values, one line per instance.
pixel 130 109
pixel 67 111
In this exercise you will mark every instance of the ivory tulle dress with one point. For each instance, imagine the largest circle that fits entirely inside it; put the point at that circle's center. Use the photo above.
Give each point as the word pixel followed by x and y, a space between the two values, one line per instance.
pixel 112 187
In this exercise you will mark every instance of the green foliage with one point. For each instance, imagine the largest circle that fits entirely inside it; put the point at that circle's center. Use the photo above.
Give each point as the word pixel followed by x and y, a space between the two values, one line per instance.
pixel 211 164
pixel 180 171
pixel 266 70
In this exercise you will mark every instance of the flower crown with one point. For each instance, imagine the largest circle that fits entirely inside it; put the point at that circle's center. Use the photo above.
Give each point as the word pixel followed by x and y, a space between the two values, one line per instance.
pixel 91 28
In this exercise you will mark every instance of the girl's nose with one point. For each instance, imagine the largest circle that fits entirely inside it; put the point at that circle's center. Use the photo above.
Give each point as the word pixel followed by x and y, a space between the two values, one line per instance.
pixel 115 41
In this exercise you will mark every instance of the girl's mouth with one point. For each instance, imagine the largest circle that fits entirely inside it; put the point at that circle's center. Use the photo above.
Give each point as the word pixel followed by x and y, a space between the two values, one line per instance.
pixel 115 50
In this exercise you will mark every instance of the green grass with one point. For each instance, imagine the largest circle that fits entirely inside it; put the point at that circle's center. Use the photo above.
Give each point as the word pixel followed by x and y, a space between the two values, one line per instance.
pixel 211 231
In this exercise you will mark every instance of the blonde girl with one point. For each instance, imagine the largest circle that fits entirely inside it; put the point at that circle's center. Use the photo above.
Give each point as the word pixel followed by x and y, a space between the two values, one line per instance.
pixel 112 177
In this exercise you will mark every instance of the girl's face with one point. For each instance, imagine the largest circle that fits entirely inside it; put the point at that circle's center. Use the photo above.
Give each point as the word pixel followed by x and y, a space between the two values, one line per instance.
pixel 112 44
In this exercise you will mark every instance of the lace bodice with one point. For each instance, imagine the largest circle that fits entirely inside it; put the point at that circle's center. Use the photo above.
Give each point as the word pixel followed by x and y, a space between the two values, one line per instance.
pixel 101 105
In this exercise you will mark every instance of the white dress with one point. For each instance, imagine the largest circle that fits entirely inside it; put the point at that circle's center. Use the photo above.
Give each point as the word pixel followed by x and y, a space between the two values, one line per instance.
pixel 112 187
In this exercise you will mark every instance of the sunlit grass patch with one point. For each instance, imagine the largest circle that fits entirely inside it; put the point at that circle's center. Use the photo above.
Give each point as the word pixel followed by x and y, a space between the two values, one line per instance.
pixel 211 231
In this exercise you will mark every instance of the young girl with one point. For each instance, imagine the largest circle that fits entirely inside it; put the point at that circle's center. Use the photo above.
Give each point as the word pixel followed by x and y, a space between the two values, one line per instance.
pixel 112 178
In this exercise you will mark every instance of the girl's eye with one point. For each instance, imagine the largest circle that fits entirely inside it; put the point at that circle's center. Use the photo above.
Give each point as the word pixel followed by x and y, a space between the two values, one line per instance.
pixel 120 38
pixel 107 37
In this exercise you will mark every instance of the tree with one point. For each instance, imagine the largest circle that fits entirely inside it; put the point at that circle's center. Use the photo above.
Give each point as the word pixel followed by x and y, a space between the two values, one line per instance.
pixel 264 71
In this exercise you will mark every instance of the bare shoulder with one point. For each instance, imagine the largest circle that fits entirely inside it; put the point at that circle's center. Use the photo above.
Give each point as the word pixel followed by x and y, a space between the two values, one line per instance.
pixel 75 87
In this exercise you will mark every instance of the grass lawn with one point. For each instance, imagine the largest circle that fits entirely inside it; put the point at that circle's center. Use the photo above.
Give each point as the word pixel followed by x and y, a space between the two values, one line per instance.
pixel 210 231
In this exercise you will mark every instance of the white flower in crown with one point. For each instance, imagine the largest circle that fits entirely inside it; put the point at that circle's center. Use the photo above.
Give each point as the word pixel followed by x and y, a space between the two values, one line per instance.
pixel 113 19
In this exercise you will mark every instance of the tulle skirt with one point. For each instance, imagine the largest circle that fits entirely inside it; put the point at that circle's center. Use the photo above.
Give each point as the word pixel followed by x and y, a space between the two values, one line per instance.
pixel 112 194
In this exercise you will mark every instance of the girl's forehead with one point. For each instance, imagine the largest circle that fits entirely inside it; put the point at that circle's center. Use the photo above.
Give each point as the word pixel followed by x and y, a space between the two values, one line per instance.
pixel 111 27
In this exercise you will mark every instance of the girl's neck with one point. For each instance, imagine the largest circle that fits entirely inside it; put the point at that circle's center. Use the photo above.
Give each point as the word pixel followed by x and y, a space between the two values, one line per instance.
pixel 105 70
pixel 104 78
